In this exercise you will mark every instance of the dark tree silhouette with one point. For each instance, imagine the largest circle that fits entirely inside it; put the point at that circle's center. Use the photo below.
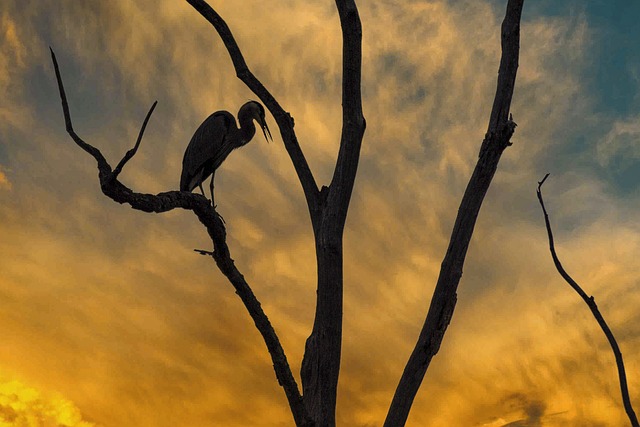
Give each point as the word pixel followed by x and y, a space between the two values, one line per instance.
pixel 328 207
pixel 591 303
pixel 501 128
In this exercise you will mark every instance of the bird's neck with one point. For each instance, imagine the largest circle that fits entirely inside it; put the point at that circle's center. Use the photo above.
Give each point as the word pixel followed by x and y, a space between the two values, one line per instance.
pixel 247 128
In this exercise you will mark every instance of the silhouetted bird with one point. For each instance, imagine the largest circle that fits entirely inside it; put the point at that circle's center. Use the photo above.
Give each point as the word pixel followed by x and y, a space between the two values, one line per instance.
pixel 216 137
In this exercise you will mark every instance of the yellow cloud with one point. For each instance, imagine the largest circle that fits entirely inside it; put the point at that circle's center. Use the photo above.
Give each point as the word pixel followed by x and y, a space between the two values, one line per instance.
pixel 23 406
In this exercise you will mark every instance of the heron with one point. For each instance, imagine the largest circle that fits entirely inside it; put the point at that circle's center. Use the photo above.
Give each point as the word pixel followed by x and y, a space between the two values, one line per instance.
pixel 216 137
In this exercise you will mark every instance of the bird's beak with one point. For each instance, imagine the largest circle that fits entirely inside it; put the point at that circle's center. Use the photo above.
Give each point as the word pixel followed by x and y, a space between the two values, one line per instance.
pixel 265 130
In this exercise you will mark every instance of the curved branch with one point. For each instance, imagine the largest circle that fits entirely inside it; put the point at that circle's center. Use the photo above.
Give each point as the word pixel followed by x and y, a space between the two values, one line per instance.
pixel 443 302
pixel 102 162
pixel 591 303
pixel 201 207
pixel 283 118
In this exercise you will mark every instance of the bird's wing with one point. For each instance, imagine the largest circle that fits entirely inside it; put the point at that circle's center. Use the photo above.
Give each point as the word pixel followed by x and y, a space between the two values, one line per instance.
pixel 202 151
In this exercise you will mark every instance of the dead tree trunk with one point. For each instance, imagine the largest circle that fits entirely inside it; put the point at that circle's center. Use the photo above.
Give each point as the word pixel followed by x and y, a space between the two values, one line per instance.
pixel 501 128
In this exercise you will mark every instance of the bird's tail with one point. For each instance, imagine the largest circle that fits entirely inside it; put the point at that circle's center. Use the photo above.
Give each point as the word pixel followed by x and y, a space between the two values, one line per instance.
pixel 184 182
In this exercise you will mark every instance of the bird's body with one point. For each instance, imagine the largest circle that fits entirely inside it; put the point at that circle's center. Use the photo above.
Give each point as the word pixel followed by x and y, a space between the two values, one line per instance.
pixel 212 142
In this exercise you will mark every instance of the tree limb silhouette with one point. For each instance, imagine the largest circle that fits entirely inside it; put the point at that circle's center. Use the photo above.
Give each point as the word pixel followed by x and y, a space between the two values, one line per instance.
pixel 129 154
pixel 283 118
pixel 321 362
pixel 206 213
pixel 500 130
pixel 327 207
pixel 591 303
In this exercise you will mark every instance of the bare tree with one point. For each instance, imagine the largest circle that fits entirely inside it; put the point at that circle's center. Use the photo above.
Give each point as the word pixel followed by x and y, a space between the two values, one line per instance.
pixel 591 303
pixel 328 207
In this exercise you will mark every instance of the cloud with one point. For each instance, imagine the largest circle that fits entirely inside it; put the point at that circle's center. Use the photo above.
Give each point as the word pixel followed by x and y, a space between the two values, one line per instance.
pixel 23 406
pixel 533 409
pixel 14 62
pixel 620 144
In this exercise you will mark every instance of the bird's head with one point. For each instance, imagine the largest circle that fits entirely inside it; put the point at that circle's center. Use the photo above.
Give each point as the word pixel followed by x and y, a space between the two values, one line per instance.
pixel 256 111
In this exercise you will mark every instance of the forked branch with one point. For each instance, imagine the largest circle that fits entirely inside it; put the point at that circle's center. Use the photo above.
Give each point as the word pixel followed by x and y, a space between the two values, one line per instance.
pixel 327 207
pixel 591 303
pixel 207 215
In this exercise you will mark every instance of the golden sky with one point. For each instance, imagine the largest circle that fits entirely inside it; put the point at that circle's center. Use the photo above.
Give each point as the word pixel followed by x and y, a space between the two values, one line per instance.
pixel 110 319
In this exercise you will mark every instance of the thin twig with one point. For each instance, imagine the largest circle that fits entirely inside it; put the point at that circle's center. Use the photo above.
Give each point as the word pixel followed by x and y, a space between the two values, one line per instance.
pixel 133 151
pixel 203 252
pixel 591 303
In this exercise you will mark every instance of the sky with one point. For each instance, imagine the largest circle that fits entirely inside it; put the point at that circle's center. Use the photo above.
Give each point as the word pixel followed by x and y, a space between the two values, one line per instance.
pixel 110 319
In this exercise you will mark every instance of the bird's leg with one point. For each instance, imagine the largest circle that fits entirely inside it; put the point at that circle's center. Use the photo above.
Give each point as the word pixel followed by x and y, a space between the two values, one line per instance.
pixel 212 201
pixel 211 189
pixel 202 190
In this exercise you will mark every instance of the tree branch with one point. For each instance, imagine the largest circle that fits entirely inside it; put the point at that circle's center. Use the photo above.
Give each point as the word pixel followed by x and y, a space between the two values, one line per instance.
pixel 353 122
pixel 208 216
pixel 501 128
pixel 591 303
pixel 133 151
pixel 283 118
pixel 102 162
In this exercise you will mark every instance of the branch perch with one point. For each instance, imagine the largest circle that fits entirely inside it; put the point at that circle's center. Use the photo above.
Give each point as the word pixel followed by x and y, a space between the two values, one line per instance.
pixel 591 303
pixel 283 118
pixel 201 207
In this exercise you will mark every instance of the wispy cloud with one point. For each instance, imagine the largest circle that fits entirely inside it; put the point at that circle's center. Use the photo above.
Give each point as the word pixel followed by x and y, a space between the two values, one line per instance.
pixel 620 144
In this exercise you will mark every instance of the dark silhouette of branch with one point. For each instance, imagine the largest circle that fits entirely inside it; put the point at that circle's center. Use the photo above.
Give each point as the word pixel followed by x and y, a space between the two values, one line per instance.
pixel 133 151
pixel 208 216
pixel 327 207
pixel 283 118
pixel 591 303
pixel 501 128
pixel 353 123
pixel 103 166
